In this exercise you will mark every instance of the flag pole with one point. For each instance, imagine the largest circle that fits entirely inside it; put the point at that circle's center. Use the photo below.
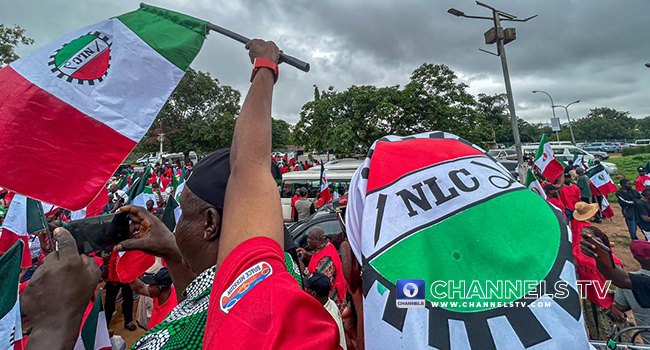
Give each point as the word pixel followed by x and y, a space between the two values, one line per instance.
pixel 284 58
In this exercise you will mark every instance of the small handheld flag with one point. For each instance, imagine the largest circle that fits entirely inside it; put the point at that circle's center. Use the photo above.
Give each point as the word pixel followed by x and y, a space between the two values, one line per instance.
pixel 546 162
pixel 599 176
pixel 324 187
pixel 10 321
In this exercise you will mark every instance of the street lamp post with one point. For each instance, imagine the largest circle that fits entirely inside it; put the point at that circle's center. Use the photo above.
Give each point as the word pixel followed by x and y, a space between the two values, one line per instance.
pixel 557 135
pixel 647 65
pixel 501 37
pixel 566 109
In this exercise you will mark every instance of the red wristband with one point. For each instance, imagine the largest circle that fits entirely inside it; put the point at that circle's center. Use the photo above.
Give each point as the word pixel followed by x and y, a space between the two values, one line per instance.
pixel 265 63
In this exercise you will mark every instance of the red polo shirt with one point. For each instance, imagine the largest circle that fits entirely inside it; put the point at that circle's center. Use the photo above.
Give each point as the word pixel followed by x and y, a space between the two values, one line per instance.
pixel 558 203
pixel 570 195
pixel 256 304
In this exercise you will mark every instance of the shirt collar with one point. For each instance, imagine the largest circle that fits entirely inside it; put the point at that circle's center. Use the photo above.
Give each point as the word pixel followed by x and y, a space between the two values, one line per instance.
pixel 201 283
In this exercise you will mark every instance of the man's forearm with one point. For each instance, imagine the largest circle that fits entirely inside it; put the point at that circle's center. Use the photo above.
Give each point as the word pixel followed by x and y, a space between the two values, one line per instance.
pixel 252 137
pixel 618 276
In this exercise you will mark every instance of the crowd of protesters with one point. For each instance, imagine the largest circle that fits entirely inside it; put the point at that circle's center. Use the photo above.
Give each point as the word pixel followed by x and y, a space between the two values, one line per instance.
pixel 228 240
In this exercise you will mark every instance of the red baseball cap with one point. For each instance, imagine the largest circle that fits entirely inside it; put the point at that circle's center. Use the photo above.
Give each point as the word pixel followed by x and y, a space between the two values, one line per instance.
pixel 640 249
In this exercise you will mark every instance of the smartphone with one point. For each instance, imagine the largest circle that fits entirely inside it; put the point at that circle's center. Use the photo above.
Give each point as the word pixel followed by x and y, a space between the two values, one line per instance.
pixel 602 247
pixel 100 233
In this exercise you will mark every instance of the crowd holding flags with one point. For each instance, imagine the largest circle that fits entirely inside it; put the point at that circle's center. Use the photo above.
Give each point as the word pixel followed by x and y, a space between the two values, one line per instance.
pixel 24 217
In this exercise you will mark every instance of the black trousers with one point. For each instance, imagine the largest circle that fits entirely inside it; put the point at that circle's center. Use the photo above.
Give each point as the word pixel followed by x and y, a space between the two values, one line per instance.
pixel 112 288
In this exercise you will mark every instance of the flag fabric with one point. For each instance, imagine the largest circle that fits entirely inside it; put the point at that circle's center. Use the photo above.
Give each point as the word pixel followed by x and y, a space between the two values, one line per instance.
pixel 10 325
pixel 291 158
pixel 95 208
pixel 92 94
pixel 130 265
pixel 172 212
pixel 24 217
pixel 546 162
pixel 141 191
pixel 578 160
pixel 599 176
pixel 94 331
pixel 533 184
pixel 415 206
pixel 647 168
pixel 605 208
pixel 325 194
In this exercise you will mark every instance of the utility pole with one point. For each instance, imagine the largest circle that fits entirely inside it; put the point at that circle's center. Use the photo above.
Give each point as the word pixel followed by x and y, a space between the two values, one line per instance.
pixel 557 135
pixel 501 37
pixel 566 109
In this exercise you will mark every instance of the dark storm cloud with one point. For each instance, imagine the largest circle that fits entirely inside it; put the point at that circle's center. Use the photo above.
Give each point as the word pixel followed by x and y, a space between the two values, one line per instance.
pixel 588 50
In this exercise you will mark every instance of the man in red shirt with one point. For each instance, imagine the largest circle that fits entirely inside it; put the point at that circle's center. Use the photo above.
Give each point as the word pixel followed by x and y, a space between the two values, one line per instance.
pixel 553 197
pixel 642 181
pixel 255 303
pixel 570 195
pixel 159 287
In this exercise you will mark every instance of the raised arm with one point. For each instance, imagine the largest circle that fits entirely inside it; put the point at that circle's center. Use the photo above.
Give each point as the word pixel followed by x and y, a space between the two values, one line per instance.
pixel 252 204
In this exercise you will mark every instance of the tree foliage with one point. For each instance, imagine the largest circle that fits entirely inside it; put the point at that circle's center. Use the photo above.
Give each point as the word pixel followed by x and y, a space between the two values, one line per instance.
pixel 202 110
pixel 10 38
pixel 349 121
pixel 281 134
pixel 605 123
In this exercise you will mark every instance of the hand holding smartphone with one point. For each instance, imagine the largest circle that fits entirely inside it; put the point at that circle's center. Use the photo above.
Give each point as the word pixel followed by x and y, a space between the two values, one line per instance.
pixel 100 233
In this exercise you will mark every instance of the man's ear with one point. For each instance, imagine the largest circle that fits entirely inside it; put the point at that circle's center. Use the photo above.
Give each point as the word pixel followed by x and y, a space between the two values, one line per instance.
pixel 212 224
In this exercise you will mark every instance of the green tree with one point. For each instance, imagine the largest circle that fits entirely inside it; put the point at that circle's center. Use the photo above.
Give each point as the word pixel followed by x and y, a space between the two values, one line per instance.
pixel 605 123
pixel 202 110
pixel 643 127
pixel 281 134
pixel 349 121
pixel 10 38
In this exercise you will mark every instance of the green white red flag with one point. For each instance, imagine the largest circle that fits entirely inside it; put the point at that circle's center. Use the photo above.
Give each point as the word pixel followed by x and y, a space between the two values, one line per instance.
pixel 141 191
pixel 95 208
pixel 546 162
pixel 599 176
pixel 10 325
pixel 24 217
pixel 605 208
pixel 324 187
pixel 94 331
pixel 89 98
pixel 533 184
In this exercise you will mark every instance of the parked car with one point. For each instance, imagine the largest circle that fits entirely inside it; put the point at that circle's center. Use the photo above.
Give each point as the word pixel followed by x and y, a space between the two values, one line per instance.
pixel 503 154
pixel 599 155
pixel 568 153
pixel 151 158
pixel 601 146
pixel 324 218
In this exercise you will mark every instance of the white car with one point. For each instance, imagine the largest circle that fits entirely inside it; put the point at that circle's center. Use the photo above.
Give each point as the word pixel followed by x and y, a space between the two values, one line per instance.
pixel 567 154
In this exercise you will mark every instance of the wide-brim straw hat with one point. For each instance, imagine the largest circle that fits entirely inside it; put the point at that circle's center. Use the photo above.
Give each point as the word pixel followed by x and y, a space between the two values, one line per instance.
pixel 585 211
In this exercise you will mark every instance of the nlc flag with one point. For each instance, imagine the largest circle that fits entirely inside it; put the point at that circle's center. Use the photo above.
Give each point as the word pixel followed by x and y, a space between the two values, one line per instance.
pixel 546 162
pixel 599 176
pixel 435 207
pixel 88 98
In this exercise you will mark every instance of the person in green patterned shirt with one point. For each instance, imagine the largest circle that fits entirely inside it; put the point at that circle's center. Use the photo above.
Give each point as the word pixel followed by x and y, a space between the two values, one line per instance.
pixel 196 243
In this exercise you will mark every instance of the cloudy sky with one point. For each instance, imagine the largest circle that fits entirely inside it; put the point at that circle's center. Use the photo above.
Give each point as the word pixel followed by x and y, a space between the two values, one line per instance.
pixel 591 50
